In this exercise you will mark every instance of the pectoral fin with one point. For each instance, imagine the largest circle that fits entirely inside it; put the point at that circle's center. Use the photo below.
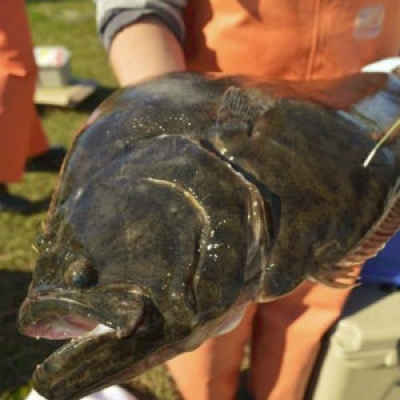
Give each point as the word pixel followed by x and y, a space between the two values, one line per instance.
pixel 238 112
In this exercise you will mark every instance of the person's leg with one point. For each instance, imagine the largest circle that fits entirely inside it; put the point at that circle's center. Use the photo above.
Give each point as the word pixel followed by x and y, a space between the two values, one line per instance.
pixel 17 84
pixel 211 372
pixel 286 340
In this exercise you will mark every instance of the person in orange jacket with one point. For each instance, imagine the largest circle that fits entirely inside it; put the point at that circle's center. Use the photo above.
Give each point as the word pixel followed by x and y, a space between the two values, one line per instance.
pixel 273 39
pixel 23 143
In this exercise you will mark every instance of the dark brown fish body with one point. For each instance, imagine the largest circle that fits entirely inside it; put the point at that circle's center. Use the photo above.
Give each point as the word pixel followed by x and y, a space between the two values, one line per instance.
pixel 187 197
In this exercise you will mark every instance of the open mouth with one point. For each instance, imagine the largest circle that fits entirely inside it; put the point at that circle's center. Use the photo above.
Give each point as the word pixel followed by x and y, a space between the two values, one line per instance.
pixel 96 332
pixel 82 317
pixel 64 327
pixel 110 343
pixel 64 315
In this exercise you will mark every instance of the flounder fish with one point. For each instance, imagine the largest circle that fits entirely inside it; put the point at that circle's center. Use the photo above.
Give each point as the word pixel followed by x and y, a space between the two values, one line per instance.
pixel 187 196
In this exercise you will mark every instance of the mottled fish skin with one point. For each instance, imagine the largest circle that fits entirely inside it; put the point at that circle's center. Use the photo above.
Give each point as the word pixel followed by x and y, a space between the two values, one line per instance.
pixel 187 196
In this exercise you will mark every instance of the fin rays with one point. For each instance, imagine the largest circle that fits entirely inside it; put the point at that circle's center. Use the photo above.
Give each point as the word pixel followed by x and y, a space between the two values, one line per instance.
pixel 343 274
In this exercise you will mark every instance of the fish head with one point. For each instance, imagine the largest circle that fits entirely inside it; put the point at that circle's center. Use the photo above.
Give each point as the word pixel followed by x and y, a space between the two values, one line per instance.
pixel 131 268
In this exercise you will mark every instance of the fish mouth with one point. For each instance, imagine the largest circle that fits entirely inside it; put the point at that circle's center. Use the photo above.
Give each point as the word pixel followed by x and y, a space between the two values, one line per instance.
pixel 100 358
pixel 62 327
pixel 96 329
pixel 63 315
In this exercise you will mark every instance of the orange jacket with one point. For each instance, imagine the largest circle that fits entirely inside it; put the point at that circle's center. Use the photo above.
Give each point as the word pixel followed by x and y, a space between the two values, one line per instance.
pixel 290 39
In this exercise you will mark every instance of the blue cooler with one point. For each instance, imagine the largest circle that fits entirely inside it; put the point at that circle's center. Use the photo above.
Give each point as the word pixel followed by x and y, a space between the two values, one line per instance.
pixel 384 269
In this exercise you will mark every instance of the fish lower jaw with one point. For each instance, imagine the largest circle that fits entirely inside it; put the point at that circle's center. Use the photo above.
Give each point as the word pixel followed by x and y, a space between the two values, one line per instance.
pixel 50 376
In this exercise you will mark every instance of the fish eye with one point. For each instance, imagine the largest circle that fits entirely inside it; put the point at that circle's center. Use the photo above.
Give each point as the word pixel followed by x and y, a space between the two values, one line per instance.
pixel 80 274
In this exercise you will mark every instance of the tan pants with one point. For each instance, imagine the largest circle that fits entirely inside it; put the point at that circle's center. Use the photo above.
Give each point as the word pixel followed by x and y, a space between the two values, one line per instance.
pixel 21 132
pixel 285 337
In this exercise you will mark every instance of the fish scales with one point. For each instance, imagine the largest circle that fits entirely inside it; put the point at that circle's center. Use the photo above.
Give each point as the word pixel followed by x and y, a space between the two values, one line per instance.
pixel 186 197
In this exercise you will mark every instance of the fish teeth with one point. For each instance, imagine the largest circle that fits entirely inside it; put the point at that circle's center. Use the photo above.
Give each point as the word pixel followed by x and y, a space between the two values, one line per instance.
pixel 101 329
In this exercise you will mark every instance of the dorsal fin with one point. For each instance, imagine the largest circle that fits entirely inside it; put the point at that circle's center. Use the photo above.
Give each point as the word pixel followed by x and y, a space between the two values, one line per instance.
pixel 344 274
pixel 379 234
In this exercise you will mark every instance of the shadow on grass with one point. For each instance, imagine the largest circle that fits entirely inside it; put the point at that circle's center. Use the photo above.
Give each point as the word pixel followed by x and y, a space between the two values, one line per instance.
pixel 87 106
pixel 18 354
pixel 95 99
pixel 39 206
